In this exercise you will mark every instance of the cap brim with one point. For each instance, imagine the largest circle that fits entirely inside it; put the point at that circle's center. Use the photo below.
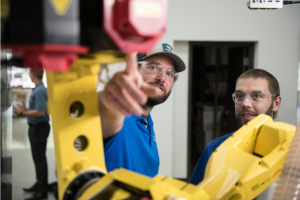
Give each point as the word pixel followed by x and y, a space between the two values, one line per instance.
pixel 179 64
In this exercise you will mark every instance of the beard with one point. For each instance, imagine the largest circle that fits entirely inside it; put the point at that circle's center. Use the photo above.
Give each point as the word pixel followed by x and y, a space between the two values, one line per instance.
pixel 153 101
pixel 240 121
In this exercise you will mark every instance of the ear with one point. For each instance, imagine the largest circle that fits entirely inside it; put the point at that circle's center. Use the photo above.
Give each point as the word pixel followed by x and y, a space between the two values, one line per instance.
pixel 276 105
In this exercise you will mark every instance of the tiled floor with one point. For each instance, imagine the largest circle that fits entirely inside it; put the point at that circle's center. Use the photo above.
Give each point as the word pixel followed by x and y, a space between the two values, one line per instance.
pixel 23 173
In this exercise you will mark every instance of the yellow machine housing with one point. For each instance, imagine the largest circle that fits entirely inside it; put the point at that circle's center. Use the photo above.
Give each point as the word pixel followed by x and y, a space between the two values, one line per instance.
pixel 73 106
pixel 249 161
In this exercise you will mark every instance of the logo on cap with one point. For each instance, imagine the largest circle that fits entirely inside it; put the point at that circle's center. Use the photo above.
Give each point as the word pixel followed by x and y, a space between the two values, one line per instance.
pixel 167 48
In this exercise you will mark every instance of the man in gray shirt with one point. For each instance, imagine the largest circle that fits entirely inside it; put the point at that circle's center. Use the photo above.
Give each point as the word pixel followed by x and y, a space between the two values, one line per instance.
pixel 39 128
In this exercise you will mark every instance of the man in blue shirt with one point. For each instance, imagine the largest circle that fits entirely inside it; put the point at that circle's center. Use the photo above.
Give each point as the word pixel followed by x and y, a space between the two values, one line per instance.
pixel 39 128
pixel 256 92
pixel 125 106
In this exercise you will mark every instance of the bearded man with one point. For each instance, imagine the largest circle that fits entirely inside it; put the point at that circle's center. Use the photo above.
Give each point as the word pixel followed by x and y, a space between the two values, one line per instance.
pixel 256 92
pixel 125 105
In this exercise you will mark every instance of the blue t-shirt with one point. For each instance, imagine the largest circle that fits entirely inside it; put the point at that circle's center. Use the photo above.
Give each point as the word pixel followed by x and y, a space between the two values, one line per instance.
pixel 38 101
pixel 199 170
pixel 133 148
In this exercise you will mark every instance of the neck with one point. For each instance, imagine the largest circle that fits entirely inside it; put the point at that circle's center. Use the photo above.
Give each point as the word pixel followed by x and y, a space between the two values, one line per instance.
pixel 37 81
pixel 147 109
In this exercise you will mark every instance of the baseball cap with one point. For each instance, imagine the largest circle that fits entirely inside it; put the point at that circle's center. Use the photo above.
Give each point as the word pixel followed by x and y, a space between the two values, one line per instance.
pixel 166 50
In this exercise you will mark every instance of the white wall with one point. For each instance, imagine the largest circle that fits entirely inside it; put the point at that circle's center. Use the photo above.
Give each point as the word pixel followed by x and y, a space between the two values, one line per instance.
pixel 170 123
pixel 276 33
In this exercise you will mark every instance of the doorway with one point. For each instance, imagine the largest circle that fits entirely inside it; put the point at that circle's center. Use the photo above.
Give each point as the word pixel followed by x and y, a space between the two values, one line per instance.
pixel 214 69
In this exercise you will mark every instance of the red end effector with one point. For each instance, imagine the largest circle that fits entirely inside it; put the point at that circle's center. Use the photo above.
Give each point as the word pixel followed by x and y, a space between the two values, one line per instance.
pixel 135 25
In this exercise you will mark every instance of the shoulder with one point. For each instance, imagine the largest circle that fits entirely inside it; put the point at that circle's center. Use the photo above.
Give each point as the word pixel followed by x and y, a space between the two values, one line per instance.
pixel 217 142
pixel 40 88
pixel 43 88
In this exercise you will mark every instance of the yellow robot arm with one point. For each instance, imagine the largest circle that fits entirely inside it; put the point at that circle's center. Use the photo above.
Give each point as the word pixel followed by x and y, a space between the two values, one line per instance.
pixel 249 161
pixel 73 107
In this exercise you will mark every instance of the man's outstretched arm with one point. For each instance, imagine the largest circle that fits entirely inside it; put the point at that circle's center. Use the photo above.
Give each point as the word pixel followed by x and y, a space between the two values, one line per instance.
pixel 123 95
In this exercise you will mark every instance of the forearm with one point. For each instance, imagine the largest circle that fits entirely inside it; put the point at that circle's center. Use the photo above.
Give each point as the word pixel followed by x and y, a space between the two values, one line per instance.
pixel 33 113
pixel 111 121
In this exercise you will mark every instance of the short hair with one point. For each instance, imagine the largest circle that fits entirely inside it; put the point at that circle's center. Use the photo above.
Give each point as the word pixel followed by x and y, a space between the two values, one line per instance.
pixel 260 73
pixel 38 74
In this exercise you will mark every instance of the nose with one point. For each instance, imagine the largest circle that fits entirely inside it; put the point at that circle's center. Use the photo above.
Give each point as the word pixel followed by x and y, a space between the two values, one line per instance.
pixel 161 76
pixel 247 102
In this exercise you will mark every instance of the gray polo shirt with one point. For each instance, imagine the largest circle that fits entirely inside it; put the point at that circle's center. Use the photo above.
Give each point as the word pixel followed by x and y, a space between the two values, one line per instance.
pixel 37 101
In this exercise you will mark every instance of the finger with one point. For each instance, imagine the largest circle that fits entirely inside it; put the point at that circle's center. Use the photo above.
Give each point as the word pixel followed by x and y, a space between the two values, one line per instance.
pixel 131 63
pixel 132 88
pixel 150 90
pixel 113 103
pixel 125 100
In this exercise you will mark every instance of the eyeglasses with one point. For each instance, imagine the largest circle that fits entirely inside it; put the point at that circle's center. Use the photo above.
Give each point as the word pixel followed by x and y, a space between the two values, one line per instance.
pixel 156 69
pixel 255 97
